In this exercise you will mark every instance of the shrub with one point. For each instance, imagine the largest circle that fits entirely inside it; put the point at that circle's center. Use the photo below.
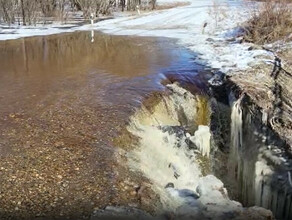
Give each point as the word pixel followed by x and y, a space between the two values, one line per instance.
pixel 270 22
pixel 218 12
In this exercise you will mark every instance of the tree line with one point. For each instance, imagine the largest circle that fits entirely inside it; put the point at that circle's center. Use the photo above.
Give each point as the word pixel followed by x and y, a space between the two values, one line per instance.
pixel 29 12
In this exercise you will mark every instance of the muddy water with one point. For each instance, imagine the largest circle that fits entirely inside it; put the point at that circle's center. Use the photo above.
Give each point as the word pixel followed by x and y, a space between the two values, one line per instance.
pixel 63 101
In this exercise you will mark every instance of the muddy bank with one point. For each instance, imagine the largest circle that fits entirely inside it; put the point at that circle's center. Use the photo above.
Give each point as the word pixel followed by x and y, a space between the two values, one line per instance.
pixel 254 137
pixel 268 86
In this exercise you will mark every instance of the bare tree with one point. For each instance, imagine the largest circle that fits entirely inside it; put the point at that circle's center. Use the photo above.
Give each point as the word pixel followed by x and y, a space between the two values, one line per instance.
pixel 48 7
pixel 8 11
pixel 29 12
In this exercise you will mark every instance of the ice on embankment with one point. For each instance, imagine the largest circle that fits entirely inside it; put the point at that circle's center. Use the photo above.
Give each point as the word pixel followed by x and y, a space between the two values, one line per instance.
pixel 202 139
pixel 166 155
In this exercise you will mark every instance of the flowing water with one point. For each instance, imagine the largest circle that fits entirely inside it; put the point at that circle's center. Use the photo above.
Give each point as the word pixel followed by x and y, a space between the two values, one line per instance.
pixel 90 120
pixel 64 101
pixel 172 143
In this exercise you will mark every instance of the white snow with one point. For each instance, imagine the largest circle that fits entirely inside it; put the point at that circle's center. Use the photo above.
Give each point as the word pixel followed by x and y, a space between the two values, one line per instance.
pixel 15 32
pixel 185 23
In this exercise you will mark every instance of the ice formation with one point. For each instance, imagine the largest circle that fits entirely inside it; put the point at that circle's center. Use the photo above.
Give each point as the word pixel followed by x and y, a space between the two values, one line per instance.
pixel 165 157
pixel 236 125
pixel 202 139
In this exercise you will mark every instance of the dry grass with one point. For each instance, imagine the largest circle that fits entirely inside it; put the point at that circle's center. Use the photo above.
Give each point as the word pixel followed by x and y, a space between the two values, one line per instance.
pixel 270 22
pixel 218 12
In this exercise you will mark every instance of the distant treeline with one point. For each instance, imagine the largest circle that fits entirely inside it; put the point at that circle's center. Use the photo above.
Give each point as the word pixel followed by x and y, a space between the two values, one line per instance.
pixel 28 12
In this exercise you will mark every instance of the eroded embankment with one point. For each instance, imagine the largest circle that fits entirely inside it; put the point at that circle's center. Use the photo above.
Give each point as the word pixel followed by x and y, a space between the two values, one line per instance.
pixel 176 152
pixel 258 158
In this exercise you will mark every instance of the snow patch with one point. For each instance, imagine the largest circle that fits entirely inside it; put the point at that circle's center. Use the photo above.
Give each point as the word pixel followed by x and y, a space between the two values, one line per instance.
pixel 196 26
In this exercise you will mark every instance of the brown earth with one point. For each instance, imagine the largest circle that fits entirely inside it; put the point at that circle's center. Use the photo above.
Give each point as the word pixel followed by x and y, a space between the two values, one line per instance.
pixel 269 86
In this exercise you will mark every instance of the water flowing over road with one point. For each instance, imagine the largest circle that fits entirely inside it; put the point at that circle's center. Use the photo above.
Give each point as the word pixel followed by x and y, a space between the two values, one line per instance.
pixel 65 100
pixel 115 121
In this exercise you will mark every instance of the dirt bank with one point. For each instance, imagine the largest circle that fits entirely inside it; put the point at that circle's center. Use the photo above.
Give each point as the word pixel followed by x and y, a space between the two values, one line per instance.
pixel 269 87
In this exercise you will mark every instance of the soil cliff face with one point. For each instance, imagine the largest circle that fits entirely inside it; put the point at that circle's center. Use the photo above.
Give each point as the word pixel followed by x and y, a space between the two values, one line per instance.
pixel 269 87
pixel 252 135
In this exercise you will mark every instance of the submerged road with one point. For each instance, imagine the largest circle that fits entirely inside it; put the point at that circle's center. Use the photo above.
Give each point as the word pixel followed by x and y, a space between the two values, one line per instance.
pixel 64 101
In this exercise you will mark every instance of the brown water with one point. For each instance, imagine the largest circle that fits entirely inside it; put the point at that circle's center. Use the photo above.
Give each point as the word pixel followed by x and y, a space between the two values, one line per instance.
pixel 63 101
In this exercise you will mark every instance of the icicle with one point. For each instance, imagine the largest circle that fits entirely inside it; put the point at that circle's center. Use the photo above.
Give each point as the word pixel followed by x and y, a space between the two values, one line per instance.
pixel 265 117
pixel 235 165
pixel 236 125
pixel 289 178
pixel 261 170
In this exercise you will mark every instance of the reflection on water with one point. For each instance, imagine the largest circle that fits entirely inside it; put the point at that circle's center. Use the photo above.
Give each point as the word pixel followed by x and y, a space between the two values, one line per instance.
pixel 69 52
pixel 44 66
pixel 92 36
pixel 63 100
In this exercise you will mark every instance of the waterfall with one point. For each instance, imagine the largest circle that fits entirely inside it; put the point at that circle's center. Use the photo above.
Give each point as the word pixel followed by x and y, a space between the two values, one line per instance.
pixel 163 154
pixel 168 155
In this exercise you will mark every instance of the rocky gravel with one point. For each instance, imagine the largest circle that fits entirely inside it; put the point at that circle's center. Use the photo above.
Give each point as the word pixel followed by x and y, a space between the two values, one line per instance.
pixel 62 162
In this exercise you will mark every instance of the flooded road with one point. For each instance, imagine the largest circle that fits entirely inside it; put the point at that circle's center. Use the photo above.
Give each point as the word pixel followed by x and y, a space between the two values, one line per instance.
pixel 63 102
